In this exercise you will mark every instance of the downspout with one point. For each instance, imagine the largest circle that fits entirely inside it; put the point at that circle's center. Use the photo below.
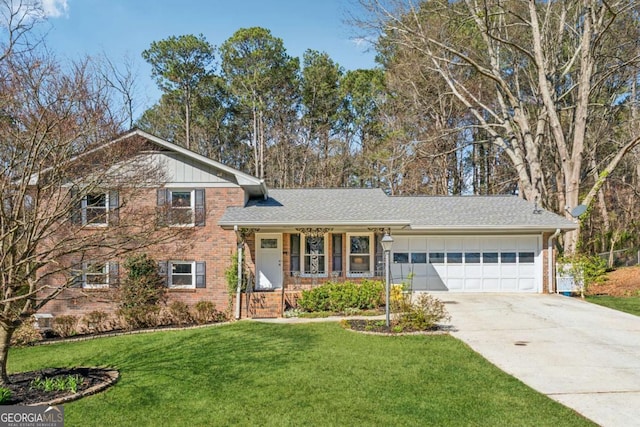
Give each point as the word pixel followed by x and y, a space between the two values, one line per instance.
pixel 550 260
pixel 239 284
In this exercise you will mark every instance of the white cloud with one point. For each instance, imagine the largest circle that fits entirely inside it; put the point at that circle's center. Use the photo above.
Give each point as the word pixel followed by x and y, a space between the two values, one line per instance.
pixel 54 8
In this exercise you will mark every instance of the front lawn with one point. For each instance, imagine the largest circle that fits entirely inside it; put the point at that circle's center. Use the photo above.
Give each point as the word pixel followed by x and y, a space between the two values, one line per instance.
pixel 626 304
pixel 250 373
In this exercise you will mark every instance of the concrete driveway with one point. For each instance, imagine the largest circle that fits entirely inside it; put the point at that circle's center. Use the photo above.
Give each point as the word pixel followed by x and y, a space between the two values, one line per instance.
pixel 582 355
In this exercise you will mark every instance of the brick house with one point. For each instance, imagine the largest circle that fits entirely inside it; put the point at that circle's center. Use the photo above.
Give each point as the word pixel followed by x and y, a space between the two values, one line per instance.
pixel 293 239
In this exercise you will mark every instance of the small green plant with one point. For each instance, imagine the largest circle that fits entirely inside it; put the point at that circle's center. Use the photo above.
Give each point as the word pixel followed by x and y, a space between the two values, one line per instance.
pixel 420 315
pixel 231 275
pixel 65 325
pixel 5 395
pixel 68 383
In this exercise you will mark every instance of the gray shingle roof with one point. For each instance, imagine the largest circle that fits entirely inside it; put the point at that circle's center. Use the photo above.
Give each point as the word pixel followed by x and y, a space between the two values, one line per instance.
pixel 373 208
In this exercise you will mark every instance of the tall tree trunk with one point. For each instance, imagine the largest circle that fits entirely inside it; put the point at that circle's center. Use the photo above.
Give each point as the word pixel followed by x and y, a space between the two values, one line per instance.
pixel 6 332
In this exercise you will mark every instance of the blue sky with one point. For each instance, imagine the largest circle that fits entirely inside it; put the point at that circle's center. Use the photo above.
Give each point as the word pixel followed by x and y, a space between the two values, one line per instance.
pixel 122 28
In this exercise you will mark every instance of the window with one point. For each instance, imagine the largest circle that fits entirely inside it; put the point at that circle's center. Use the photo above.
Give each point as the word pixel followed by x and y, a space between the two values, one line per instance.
pixel 99 275
pixel 490 257
pixel 182 275
pixel 401 257
pixel 472 257
pixel 185 274
pixel 181 206
pixel 436 257
pixel 454 257
pixel 418 258
pixel 526 257
pixel 308 255
pixel 508 257
pixel 360 255
pixel 315 259
pixel 95 209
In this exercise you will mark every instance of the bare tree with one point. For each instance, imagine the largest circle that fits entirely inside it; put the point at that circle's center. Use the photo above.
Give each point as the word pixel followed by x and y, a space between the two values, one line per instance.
pixel 544 68
pixel 67 197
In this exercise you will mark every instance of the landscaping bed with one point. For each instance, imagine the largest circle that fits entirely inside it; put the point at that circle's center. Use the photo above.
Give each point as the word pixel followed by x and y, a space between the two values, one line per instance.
pixel 28 388
pixel 623 282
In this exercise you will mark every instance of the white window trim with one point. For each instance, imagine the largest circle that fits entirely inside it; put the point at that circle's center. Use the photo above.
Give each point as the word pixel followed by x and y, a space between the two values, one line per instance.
pixel 192 206
pixel 170 275
pixel 85 268
pixel 85 206
pixel 370 273
pixel 303 257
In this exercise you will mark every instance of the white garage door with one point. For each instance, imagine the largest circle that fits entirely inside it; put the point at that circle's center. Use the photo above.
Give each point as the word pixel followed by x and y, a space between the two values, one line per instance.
pixel 468 264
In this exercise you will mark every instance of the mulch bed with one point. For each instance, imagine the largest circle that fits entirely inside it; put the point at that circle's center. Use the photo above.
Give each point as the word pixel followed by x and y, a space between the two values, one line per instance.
pixel 93 380
pixel 380 327
pixel 623 282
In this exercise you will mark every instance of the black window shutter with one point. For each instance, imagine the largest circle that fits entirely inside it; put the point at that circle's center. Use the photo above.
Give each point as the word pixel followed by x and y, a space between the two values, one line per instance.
pixel 114 274
pixel 76 208
pixel 163 267
pixel 294 258
pixel 201 270
pixel 336 264
pixel 114 205
pixel 200 213
pixel 162 205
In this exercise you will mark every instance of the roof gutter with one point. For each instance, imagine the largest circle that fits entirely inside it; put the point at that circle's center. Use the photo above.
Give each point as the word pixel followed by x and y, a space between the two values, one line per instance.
pixel 550 260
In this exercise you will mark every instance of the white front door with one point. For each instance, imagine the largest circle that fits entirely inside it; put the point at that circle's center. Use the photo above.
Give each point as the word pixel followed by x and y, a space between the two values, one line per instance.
pixel 268 261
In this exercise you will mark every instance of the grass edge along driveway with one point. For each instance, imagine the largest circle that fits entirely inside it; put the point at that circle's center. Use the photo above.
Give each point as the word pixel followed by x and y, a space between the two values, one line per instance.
pixel 251 373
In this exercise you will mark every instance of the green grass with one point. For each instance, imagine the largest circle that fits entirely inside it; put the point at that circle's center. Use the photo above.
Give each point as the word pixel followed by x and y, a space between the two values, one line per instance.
pixel 318 374
pixel 626 304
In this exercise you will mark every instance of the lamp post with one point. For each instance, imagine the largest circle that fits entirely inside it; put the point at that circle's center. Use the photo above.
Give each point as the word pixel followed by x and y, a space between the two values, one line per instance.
pixel 387 242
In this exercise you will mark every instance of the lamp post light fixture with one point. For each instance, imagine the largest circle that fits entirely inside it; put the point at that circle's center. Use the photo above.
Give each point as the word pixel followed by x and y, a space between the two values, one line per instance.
pixel 387 242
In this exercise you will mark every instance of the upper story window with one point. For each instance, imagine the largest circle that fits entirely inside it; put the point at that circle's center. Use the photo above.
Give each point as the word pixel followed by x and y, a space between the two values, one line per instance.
pixel 181 207
pixel 360 255
pixel 97 208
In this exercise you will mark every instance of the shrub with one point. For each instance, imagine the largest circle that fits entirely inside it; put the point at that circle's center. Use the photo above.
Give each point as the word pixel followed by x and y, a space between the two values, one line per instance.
pixel 420 315
pixel 5 395
pixel 340 297
pixel 26 334
pixel 98 321
pixel 179 312
pixel 144 316
pixel 143 284
pixel 65 325
pixel 587 269
pixel 141 293
pixel 205 312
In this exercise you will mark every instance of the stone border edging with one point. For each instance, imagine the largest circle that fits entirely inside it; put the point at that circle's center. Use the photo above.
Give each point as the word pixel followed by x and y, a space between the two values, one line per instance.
pixel 122 333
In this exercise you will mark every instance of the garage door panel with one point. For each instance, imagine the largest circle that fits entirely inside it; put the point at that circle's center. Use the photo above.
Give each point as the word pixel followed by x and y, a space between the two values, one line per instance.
pixel 490 284
pixel 469 264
